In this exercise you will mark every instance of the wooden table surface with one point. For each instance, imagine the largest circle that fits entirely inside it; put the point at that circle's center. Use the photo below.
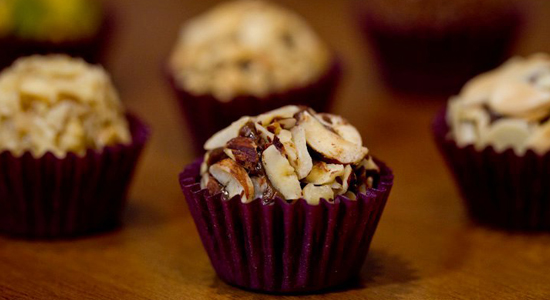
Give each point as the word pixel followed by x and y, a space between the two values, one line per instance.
pixel 424 248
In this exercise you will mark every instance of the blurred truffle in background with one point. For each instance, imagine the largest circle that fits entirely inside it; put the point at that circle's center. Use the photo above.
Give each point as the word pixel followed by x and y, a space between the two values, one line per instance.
pixel 67 147
pixel 435 46
pixel 246 57
pixel 75 27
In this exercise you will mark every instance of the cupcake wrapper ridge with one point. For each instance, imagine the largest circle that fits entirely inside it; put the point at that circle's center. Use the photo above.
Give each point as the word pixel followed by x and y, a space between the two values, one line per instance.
pixel 282 247
pixel 500 189
pixel 50 197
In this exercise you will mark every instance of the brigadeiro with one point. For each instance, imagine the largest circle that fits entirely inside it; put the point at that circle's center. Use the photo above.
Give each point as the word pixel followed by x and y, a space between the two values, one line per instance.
pixel 287 201
pixel 67 148
pixel 246 57
pixel 495 137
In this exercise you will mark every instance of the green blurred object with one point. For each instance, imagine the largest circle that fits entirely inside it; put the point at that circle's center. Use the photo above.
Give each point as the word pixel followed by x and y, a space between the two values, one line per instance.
pixel 50 20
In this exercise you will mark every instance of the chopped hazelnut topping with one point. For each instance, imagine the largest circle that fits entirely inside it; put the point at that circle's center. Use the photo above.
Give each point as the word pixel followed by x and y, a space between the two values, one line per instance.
pixel 59 104
pixel 247 48
pixel 264 160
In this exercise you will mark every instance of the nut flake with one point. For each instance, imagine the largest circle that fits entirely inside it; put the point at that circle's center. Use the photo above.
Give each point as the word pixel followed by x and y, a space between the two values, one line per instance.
pixel 329 144
pixel 323 173
pixel 280 173
pixel 279 152
pixel 342 127
pixel 59 104
pixel 314 193
pixel 234 179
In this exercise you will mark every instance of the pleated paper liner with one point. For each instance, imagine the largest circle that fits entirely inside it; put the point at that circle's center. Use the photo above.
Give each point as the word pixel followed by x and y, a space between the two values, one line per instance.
pixel 49 197
pixel 206 115
pixel 500 190
pixel 89 48
pixel 282 247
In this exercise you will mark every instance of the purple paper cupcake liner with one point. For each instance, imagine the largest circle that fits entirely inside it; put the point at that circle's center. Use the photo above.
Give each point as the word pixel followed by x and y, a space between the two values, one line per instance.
pixel 501 190
pixel 318 95
pixel 89 48
pixel 437 59
pixel 282 247
pixel 50 197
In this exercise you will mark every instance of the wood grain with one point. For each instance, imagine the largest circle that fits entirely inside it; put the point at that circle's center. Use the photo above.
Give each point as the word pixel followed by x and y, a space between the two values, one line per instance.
pixel 425 248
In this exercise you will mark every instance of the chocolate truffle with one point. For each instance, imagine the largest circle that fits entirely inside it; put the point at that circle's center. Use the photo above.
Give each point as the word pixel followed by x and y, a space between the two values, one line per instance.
pixel 287 201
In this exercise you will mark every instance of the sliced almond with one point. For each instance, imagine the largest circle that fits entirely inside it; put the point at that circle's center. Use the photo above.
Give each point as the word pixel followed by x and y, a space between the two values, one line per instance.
pixel 345 179
pixel 323 173
pixel 234 179
pixel 229 153
pixel 504 99
pixel 335 185
pixel 365 174
pixel 204 180
pixel 313 193
pixel 369 164
pixel 204 164
pixel 285 138
pixel 280 173
pixel 211 157
pixel 295 149
pixel 280 113
pixel 342 127
pixel 329 144
pixel 349 133
pixel 287 123
pixel 264 133
pixel 539 141
pixel 466 122
pixel 507 133
pixel 223 136
pixel 303 163
pixel 466 133
pixel 262 188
